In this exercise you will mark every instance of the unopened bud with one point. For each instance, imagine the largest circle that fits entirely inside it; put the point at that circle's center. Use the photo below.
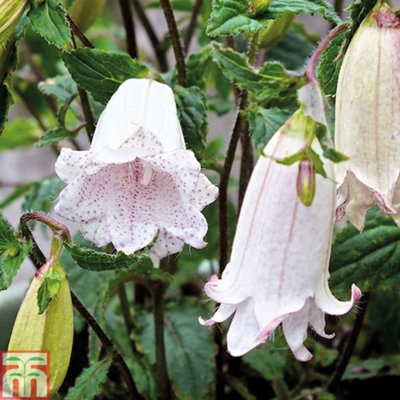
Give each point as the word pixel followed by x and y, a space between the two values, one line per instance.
pixel 305 183
pixel 50 331
pixel 258 7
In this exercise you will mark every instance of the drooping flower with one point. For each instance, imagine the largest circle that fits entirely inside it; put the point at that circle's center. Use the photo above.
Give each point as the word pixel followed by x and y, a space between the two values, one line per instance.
pixel 368 119
pixel 137 180
pixel 278 272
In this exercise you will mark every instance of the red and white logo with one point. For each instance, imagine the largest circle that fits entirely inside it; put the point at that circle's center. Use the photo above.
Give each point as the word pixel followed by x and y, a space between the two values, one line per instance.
pixel 24 375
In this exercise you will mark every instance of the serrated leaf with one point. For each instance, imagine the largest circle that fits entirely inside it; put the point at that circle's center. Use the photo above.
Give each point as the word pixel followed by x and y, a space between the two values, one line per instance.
pixel 61 87
pixel 270 83
pixel 190 350
pixel 12 254
pixel 192 112
pixel 139 263
pixel 54 136
pixel 88 384
pixel 232 17
pixel 48 18
pixel 359 9
pixel 371 259
pixel 197 66
pixel 20 133
pixel 331 62
pixel 88 67
pixel 43 194
pixel 265 122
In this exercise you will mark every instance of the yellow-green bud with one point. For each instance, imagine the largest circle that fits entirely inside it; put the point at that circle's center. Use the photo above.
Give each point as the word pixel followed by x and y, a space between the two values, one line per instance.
pixel 258 7
pixel 50 331
pixel 85 12
pixel 305 183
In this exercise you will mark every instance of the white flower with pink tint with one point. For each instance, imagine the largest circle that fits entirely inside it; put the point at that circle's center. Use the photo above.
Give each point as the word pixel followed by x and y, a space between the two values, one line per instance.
pixel 137 180
pixel 278 272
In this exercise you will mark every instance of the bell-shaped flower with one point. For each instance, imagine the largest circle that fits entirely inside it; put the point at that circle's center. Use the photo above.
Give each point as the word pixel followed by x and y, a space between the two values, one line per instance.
pixel 368 119
pixel 137 182
pixel 278 271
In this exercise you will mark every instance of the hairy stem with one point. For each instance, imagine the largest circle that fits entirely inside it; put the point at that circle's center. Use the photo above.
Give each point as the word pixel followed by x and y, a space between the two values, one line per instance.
pixel 155 42
pixel 164 392
pixel 127 17
pixel 39 260
pixel 192 24
pixel 240 124
pixel 75 29
pixel 312 63
pixel 176 42
pixel 348 349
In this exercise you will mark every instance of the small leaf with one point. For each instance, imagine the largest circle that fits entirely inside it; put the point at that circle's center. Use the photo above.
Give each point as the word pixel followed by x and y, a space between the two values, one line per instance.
pixel 270 83
pixel 334 155
pixel 318 164
pixel 371 259
pixel 290 160
pixel 88 67
pixel 139 263
pixel 54 136
pixel 12 254
pixel 265 122
pixel 192 112
pixel 48 18
pixel 232 17
pixel 88 384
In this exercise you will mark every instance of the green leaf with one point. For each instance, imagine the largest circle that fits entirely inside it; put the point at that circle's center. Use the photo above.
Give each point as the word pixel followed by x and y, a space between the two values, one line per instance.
pixel 317 162
pixel 48 18
pixel 232 17
pixel 88 67
pixel 270 83
pixel 192 112
pixel 359 9
pixel 334 155
pixel 139 263
pixel 293 50
pixel 50 287
pixel 12 254
pixel 54 136
pixel 61 87
pixel 88 384
pixel 371 259
pixel 331 62
pixel 20 133
pixel 197 66
pixel 190 349
pixel 265 122
pixel 43 194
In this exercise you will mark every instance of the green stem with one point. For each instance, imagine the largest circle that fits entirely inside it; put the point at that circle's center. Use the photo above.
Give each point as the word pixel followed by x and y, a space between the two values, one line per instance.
pixel 176 42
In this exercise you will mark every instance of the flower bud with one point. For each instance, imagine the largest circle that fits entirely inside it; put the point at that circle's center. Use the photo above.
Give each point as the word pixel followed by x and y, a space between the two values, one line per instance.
pixel 258 7
pixel 305 183
pixel 50 331
pixel 368 119
pixel 85 12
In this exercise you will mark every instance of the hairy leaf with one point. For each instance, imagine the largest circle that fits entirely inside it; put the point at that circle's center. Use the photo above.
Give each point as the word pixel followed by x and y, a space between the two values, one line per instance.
pixel 192 112
pixel 359 9
pixel 371 259
pixel 232 17
pixel 270 83
pixel 88 67
pixel 88 384
pixel 48 18
pixel 12 254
